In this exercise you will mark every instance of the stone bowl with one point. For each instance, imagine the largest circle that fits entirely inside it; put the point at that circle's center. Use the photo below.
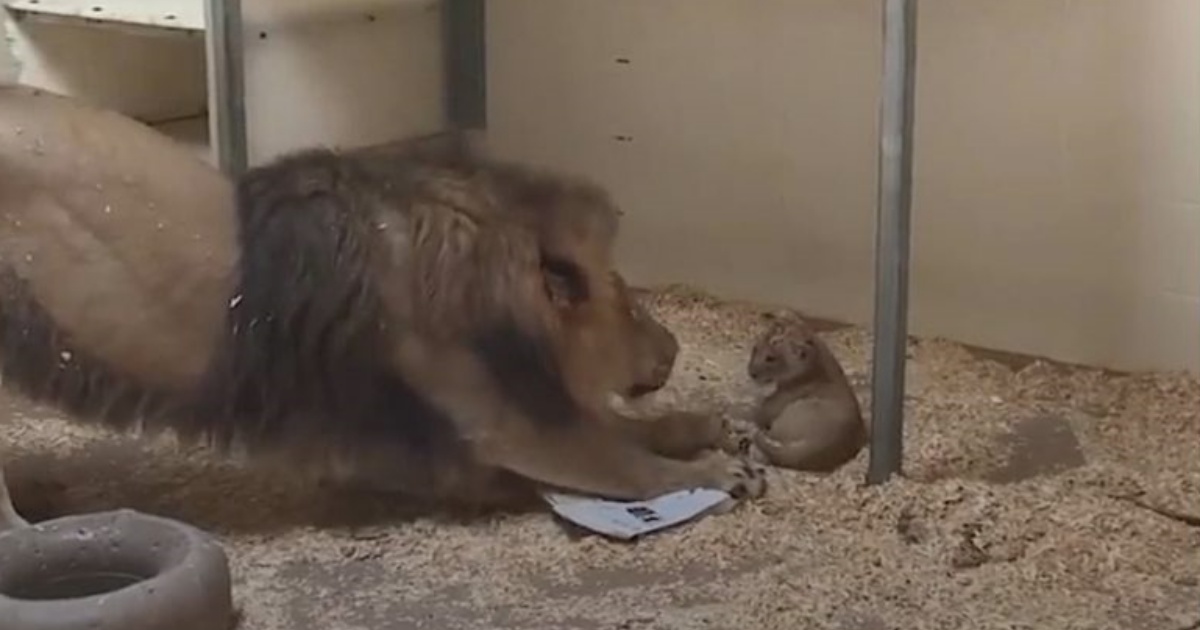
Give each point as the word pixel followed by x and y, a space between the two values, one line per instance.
pixel 119 570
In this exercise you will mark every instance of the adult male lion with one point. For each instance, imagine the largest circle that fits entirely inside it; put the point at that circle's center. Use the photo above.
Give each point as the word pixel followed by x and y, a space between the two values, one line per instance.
pixel 403 322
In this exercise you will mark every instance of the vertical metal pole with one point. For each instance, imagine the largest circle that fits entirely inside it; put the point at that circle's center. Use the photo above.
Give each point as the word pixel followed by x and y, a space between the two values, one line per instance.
pixel 226 84
pixel 892 239
pixel 464 49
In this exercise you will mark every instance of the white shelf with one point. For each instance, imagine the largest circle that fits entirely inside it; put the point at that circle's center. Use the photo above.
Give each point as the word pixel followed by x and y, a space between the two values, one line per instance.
pixel 192 132
pixel 180 15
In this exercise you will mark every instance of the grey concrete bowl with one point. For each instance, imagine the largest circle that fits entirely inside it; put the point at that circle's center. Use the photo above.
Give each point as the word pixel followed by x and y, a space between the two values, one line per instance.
pixel 120 570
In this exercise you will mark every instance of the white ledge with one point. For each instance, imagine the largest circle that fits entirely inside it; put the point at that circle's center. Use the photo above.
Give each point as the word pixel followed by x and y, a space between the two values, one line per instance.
pixel 184 15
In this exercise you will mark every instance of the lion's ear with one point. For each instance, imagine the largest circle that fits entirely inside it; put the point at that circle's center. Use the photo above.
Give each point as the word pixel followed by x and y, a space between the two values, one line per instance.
pixel 565 283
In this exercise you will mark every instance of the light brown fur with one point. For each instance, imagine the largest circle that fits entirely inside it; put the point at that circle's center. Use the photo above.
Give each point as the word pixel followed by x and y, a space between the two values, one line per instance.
pixel 122 238
pixel 678 435
pixel 583 229
pixel 413 324
pixel 811 420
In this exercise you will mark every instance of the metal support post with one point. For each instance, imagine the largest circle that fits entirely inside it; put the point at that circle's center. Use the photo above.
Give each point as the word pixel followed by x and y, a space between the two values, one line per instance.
pixel 892 235
pixel 464 49
pixel 226 84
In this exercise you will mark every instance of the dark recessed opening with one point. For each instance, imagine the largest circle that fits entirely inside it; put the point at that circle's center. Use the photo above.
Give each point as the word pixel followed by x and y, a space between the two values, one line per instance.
pixel 73 585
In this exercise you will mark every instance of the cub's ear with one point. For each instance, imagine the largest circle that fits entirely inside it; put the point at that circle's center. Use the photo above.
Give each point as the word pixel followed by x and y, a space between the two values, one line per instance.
pixel 565 283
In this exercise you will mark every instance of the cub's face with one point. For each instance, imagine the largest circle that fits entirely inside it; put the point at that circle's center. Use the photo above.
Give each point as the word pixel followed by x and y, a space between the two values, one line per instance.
pixel 785 352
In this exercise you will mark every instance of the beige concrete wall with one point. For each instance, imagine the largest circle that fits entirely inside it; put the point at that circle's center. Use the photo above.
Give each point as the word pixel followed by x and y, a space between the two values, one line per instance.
pixel 340 72
pixel 151 77
pixel 1057 206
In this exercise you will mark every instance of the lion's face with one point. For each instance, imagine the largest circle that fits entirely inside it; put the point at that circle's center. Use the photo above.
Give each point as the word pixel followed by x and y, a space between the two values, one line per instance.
pixel 611 342
pixel 653 347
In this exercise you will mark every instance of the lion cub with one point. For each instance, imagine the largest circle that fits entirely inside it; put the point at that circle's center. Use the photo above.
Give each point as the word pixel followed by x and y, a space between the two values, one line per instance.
pixel 811 420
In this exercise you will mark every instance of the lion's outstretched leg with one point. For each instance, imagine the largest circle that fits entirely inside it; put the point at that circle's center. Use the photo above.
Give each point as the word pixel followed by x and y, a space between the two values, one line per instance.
pixel 9 519
pixel 553 442
pixel 678 434
pixel 591 458
pixel 461 487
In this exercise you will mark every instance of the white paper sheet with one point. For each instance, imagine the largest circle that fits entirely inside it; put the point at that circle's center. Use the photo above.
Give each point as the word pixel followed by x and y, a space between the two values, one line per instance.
pixel 626 520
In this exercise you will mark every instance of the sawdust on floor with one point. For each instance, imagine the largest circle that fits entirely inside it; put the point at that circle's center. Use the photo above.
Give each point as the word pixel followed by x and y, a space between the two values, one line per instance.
pixel 986 530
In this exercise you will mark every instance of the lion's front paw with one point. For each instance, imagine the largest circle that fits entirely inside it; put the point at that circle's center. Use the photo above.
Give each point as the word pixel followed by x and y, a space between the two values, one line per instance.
pixel 741 478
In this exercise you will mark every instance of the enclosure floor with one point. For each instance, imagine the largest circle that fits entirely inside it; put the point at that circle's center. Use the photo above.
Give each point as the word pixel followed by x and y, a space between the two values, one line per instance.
pixel 1018 511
